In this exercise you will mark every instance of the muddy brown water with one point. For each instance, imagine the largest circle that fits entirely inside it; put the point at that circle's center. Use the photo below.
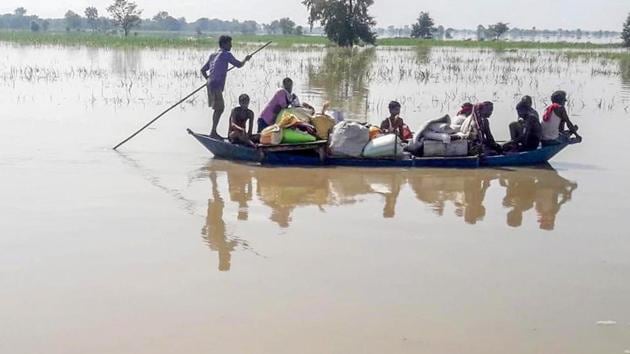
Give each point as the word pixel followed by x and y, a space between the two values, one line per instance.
pixel 159 248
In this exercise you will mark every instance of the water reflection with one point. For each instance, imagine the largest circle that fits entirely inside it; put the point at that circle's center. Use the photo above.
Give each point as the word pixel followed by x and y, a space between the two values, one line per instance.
pixel 423 55
pixel 125 61
pixel 550 195
pixel 465 190
pixel 541 190
pixel 284 192
pixel 343 78
pixel 215 231
pixel 93 55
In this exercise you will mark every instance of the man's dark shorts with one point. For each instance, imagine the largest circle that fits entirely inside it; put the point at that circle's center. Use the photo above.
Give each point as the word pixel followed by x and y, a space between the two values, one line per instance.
pixel 215 99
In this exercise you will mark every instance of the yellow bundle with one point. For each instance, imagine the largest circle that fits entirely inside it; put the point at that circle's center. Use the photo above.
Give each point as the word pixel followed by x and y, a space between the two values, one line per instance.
pixel 323 125
pixel 303 114
pixel 287 121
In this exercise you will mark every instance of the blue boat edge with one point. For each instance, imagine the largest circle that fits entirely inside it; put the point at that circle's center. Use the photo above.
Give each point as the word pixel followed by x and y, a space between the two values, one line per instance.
pixel 228 151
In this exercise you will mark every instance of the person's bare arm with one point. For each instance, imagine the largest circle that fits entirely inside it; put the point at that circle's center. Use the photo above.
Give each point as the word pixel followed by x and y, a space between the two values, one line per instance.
pixel 383 127
pixel 488 134
pixel 231 120
pixel 564 119
pixel 399 127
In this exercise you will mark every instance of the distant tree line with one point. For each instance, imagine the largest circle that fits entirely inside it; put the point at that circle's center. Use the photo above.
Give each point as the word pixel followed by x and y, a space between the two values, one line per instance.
pixel 21 21
pixel 625 34
pixel 283 26
pixel 125 15
pixel 425 28
pixel 345 22
pixel 481 33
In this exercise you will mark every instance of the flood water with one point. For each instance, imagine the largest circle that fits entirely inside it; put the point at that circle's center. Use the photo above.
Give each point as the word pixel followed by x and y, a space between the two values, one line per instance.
pixel 159 248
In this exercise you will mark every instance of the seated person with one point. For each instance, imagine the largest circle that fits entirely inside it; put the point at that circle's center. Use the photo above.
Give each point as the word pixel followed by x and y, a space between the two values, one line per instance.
pixel 554 121
pixel 476 129
pixel 464 112
pixel 393 124
pixel 525 133
pixel 238 119
pixel 283 98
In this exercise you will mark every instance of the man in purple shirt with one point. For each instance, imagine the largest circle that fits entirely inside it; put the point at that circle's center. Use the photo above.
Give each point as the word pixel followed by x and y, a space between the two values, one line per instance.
pixel 215 71
pixel 283 98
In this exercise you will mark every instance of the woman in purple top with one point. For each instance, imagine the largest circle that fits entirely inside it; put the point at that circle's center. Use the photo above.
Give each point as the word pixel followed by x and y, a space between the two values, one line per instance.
pixel 215 71
pixel 283 98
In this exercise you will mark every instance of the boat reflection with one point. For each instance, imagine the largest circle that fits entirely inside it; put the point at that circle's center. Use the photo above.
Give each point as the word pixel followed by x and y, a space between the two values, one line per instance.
pixel 465 190
pixel 282 191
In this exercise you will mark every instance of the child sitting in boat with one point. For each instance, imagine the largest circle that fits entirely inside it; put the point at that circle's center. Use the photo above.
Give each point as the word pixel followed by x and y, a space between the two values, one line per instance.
pixel 394 124
pixel 241 116
pixel 554 120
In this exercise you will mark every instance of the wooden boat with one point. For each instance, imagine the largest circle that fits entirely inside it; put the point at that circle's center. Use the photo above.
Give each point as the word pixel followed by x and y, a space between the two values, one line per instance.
pixel 314 154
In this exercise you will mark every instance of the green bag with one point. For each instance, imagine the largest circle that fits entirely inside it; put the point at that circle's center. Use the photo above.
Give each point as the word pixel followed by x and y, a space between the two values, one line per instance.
pixel 292 136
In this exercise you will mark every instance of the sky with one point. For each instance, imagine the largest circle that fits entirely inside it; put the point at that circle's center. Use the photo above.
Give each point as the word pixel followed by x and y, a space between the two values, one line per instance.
pixel 543 14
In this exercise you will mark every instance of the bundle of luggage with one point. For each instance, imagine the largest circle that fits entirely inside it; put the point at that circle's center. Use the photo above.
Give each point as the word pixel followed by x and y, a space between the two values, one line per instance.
pixel 436 138
pixel 360 140
pixel 354 139
pixel 297 126
pixel 439 137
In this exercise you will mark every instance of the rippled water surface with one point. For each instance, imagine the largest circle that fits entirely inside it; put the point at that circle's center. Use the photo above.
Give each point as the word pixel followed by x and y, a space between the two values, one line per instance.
pixel 159 248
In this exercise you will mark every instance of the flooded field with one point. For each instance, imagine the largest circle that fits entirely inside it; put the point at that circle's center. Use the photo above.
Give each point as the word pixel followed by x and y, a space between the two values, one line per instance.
pixel 159 248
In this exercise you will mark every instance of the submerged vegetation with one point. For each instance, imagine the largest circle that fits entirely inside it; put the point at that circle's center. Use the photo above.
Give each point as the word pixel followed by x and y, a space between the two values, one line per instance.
pixel 357 81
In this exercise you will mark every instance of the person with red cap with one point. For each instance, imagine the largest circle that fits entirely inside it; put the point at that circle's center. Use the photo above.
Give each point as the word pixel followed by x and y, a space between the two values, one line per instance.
pixel 554 121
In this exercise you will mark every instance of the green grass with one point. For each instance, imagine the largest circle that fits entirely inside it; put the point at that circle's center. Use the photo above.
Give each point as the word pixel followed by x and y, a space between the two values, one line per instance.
pixel 147 39
pixel 101 40
pixel 182 40
pixel 623 55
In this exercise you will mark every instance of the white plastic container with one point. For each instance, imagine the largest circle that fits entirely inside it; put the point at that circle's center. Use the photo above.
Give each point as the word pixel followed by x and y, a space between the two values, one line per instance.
pixel 348 139
pixel 434 148
pixel 383 146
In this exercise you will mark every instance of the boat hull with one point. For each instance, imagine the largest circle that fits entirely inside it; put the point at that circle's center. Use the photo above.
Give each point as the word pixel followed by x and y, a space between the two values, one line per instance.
pixel 526 158
pixel 226 150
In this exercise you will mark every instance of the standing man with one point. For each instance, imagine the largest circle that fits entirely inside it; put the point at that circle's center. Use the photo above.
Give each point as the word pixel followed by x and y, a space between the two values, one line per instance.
pixel 215 71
